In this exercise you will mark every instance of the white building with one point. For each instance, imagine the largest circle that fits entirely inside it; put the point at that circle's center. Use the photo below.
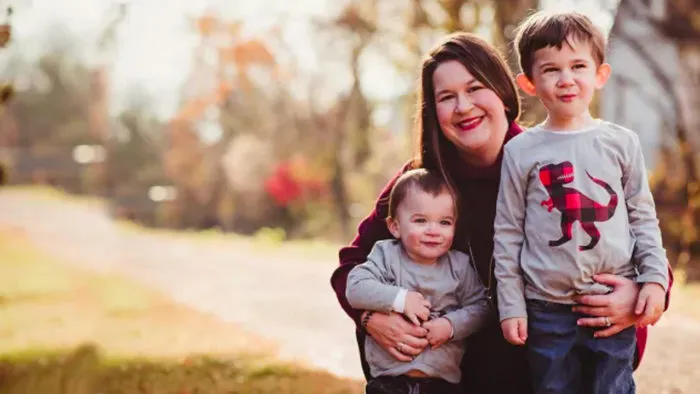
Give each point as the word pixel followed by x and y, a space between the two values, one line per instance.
pixel 642 91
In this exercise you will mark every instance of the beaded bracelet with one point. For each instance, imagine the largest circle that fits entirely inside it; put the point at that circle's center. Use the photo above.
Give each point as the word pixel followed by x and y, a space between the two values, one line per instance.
pixel 365 320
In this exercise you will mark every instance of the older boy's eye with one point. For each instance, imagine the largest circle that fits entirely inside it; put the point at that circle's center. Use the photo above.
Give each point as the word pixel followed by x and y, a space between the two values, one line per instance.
pixel 550 69
pixel 580 65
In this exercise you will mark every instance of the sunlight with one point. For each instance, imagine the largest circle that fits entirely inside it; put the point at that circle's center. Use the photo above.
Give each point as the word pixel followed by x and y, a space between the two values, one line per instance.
pixel 155 44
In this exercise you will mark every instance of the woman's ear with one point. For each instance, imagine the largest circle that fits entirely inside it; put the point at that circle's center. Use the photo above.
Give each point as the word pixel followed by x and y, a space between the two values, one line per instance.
pixel 602 75
pixel 393 226
pixel 525 84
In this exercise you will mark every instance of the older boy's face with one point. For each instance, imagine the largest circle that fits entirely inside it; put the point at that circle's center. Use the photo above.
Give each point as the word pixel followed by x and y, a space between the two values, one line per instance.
pixel 425 224
pixel 565 80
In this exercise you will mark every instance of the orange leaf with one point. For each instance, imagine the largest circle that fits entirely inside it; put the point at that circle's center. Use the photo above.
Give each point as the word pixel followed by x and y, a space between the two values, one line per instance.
pixel 206 25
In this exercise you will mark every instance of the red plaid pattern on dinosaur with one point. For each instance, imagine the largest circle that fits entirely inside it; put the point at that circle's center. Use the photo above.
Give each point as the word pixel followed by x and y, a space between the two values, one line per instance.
pixel 574 205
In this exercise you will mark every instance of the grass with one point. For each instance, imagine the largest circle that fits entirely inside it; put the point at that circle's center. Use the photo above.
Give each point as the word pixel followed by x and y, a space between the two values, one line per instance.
pixel 63 330
pixel 684 300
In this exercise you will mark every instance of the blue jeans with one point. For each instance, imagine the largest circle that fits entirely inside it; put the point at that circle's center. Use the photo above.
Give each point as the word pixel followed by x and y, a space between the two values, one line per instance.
pixel 567 359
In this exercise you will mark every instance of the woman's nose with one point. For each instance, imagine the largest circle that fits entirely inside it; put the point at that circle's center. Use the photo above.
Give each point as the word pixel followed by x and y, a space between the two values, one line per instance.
pixel 464 104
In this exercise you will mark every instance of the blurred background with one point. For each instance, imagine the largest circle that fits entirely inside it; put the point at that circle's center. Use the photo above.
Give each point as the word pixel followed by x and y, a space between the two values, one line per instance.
pixel 292 115
pixel 282 120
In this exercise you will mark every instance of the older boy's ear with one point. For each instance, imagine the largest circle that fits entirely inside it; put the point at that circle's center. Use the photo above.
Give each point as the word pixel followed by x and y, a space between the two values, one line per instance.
pixel 393 226
pixel 602 75
pixel 525 84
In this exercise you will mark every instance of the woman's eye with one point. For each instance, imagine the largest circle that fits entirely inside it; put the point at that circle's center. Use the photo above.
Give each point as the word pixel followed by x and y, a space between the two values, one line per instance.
pixel 445 98
pixel 474 89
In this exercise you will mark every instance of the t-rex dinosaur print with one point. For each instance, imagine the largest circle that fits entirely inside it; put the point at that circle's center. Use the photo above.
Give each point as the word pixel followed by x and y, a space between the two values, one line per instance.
pixel 573 204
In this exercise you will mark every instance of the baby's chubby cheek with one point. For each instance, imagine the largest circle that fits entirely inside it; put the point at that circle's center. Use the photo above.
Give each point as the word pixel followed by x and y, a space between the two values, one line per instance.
pixel 414 239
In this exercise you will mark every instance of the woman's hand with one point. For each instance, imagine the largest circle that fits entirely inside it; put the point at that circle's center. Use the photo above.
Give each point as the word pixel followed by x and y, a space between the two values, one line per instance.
pixel 612 312
pixel 397 336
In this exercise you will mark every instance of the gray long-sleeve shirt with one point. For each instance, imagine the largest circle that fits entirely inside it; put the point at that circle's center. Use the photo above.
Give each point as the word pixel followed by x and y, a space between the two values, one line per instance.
pixel 451 285
pixel 573 204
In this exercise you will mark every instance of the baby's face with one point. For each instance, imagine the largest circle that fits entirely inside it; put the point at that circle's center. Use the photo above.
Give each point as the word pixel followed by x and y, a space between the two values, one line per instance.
pixel 425 224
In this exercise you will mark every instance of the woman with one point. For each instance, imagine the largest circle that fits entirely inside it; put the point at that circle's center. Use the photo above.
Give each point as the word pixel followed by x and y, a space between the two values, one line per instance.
pixel 468 106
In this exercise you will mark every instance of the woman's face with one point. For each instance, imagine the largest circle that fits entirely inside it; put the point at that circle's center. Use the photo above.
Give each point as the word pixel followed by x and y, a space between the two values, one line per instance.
pixel 470 115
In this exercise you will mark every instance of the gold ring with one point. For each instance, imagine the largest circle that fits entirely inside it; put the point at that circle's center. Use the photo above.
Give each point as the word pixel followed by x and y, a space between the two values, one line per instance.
pixel 399 346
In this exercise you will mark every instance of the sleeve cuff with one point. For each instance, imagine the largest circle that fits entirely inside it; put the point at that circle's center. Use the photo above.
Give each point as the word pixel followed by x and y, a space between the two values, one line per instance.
pixel 654 278
pixel 509 313
pixel 400 301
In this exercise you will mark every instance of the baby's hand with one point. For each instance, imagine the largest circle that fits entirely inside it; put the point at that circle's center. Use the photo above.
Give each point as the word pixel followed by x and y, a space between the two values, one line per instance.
pixel 439 331
pixel 650 304
pixel 515 330
pixel 416 307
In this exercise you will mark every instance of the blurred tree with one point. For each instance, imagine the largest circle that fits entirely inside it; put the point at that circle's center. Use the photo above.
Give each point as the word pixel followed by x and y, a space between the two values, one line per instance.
pixel 6 91
pixel 98 115
pixel 358 22
pixel 47 118
pixel 508 13
pixel 222 99
pixel 6 88
pixel 136 160
pixel 682 25
pixel 663 36
pixel 349 119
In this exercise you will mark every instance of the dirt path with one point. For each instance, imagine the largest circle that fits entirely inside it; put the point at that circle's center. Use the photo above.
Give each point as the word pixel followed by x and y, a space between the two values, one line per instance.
pixel 286 299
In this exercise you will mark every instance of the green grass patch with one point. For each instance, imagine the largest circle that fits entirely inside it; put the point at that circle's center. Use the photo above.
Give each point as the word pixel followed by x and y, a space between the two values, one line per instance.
pixel 86 371
pixel 67 331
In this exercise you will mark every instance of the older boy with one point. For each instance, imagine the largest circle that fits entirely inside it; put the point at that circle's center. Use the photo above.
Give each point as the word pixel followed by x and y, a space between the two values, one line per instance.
pixel 572 170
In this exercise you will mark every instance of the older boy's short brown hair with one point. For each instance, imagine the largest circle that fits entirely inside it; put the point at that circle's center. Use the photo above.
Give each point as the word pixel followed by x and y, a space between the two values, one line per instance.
pixel 545 29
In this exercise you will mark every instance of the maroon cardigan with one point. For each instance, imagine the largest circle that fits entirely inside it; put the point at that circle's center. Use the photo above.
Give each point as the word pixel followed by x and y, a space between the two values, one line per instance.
pixel 478 187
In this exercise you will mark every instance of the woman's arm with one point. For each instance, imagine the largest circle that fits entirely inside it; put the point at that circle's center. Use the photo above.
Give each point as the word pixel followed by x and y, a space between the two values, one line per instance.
pixel 616 311
pixel 616 307
pixel 372 229
pixel 387 330
pixel 401 338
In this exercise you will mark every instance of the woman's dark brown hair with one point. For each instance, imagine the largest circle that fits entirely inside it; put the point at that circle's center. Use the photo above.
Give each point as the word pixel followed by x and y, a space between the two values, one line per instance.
pixel 487 66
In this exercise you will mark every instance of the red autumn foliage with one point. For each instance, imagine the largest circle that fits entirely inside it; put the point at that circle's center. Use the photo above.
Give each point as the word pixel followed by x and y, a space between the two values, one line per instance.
pixel 292 182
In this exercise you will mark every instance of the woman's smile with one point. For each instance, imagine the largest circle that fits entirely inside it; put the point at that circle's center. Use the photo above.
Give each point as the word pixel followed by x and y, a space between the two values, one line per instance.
pixel 470 123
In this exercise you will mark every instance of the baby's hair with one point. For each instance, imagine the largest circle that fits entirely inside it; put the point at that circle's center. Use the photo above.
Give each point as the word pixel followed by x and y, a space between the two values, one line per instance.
pixel 427 181
pixel 546 29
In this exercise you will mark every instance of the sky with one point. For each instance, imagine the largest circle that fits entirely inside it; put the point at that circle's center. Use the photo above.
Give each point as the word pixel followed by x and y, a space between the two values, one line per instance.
pixel 154 45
